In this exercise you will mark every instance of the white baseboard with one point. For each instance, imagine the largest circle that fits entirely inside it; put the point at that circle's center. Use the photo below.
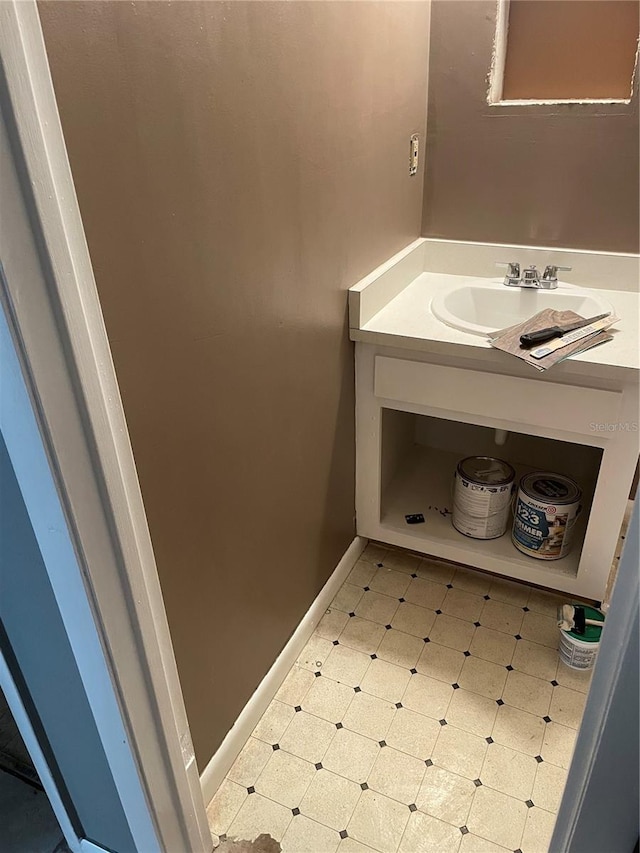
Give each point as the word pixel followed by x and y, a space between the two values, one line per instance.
pixel 227 752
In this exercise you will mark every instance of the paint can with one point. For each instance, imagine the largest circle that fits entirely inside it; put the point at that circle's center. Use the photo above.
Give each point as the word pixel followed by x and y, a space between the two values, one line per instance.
pixel 546 510
pixel 579 651
pixel 482 496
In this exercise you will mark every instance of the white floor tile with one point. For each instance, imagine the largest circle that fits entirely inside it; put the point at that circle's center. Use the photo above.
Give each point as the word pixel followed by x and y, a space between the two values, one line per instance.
pixel 494 646
pixel 348 597
pixel 483 677
pixel 374 552
pixel 452 632
pixel 462 605
pixel 331 799
pixel 361 573
pixel 260 815
pixel 295 685
pixel 509 771
pixel 331 624
pixel 446 795
pixel 540 629
pixel 497 818
pixel 510 592
pixel 413 733
pixel 350 845
pixel 427 696
pixel 346 665
pixel 472 712
pixel 250 763
pixel 388 582
pixel 436 571
pixel 273 722
pixel 400 648
pixel 285 779
pixel 558 744
pixel 567 707
pixel 386 680
pixel 351 755
pixel 315 653
pixel 471 580
pixel 425 593
pixel 535 659
pixel 547 603
pixel 426 834
pixel 401 561
pixel 413 619
pixel 379 822
pixel 225 805
pixel 537 831
pixel 362 635
pixel 459 752
pixel 574 679
pixel 397 775
pixel 549 786
pixel 474 844
pixel 308 737
pixel 328 699
pixel 527 693
pixel 308 836
pixel 518 730
pixel 440 662
pixel 377 607
pixel 369 716
pixel 502 617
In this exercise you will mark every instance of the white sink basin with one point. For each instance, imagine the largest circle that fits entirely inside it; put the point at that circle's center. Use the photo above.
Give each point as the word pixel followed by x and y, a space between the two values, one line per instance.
pixel 482 305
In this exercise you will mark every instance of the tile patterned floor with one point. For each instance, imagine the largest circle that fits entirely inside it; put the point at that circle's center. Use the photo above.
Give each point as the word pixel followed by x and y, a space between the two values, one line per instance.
pixel 428 713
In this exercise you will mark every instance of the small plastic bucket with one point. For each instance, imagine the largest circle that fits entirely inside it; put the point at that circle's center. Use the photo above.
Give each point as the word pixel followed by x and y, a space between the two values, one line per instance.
pixel 579 651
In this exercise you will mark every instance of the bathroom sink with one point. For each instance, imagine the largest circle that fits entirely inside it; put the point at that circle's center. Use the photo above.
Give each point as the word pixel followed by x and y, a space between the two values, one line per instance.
pixel 481 305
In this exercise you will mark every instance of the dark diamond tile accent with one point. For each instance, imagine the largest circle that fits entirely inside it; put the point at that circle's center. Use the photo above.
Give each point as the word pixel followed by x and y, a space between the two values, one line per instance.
pixel 336 643
pixel 251 790
pixel 388 627
pixel 414 575
pixel 295 811
pixel 413 671
pixel 426 639
pixel 449 586
pixel 413 807
pixel 339 726
pixel 547 719
pixel 526 609
pixel 499 702
pixel 357 690
pixel 364 786
pixel 275 747
pixel 223 837
pixel 379 565
pixel 343 833
pixel 517 636
pixel 529 804
pixel 382 743
pixel 401 600
pixel 517 851
pixel 398 704
pixel 455 686
pixel 373 657
pixel 352 613
pixel 554 683
pixel 429 762
pixel 318 766
pixel 486 597
pixel 438 612
pixel 317 674
pixel 477 783
pixel 510 668
pixel 298 708
pixel 442 722
pixel 366 589
pixel 489 739
pixel 539 759
pixel 477 624
pixel 464 830
pixel 467 653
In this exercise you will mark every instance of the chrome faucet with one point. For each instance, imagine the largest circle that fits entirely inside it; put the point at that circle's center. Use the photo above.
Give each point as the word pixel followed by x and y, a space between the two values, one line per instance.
pixel 530 276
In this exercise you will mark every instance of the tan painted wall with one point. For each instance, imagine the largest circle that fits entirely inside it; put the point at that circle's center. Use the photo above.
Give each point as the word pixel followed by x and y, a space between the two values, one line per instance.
pixel 563 175
pixel 239 165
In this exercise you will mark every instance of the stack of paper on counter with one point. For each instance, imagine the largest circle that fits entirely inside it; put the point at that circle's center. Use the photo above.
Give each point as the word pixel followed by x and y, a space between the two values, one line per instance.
pixel 508 340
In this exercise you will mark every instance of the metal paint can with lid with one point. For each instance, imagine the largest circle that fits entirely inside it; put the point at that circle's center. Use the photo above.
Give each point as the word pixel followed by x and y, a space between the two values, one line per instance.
pixel 546 510
pixel 482 493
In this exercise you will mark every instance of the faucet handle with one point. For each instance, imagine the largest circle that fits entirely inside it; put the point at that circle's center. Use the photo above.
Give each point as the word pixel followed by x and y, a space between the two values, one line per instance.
pixel 513 271
pixel 551 272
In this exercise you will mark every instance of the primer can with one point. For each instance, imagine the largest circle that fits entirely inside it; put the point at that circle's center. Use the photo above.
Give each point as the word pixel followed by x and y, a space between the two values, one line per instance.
pixel 482 496
pixel 547 507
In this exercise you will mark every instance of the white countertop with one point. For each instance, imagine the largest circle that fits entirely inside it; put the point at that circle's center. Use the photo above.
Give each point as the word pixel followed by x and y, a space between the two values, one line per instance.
pixel 406 321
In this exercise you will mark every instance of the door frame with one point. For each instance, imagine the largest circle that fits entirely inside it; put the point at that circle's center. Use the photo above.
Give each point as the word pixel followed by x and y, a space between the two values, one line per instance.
pixel 59 336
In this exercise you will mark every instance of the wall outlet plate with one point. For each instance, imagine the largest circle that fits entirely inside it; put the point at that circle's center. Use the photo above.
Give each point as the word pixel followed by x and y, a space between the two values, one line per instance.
pixel 413 154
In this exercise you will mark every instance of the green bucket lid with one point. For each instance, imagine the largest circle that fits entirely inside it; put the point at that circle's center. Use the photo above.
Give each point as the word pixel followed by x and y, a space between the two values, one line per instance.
pixel 591 632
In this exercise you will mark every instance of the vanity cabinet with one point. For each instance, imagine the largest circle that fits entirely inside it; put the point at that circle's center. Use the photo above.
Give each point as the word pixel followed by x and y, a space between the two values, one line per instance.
pixel 419 413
